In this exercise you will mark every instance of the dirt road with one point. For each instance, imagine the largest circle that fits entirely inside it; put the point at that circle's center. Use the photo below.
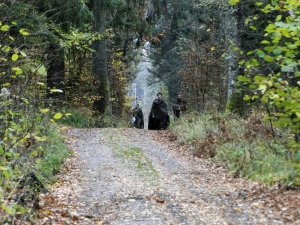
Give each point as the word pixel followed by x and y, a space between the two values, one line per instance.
pixel 127 176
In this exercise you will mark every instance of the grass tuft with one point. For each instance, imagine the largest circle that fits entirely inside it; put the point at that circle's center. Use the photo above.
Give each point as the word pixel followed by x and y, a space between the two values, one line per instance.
pixel 79 118
pixel 54 153
pixel 246 146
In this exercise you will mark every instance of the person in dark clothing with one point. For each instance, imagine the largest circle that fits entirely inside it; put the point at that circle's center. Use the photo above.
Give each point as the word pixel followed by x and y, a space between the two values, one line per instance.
pixel 138 117
pixel 159 117
pixel 179 107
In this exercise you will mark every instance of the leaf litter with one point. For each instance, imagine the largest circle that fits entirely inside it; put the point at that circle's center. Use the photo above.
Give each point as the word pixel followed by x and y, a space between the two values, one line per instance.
pixel 101 185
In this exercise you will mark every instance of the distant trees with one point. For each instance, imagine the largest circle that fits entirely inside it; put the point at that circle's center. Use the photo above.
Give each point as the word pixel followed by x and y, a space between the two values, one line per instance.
pixel 127 21
pixel 189 57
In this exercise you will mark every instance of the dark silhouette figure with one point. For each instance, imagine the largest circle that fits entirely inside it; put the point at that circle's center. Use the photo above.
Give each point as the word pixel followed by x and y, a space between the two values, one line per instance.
pixel 179 107
pixel 159 118
pixel 138 116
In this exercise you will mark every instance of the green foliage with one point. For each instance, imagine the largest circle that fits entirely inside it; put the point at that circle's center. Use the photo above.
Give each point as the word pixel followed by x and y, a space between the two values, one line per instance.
pixel 233 2
pixel 78 40
pixel 54 152
pixel 246 146
pixel 24 122
pixel 193 127
pixel 261 160
pixel 236 104
pixel 119 74
pixel 80 118
pixel 272 70
pixel 106 120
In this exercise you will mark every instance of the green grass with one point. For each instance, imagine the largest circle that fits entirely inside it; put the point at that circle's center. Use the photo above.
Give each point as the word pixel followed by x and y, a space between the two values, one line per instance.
pixel 112 121
pixel 141 162
pixel 79 118
pixel 259 161
pixel 247 148
pixel 42 154
pixel 193 127
pixel 131 155
pixel 54 153
pixel 84 118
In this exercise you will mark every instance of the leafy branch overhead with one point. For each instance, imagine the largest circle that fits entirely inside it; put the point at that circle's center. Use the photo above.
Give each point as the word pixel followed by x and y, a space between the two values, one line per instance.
pixel 272 71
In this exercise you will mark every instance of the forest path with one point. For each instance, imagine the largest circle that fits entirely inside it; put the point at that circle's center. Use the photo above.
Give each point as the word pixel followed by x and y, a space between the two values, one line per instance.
pixel 129 176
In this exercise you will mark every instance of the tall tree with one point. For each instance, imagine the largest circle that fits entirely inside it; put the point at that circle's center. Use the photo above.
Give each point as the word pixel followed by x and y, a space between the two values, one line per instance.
pixel 62 15
pixel 99 65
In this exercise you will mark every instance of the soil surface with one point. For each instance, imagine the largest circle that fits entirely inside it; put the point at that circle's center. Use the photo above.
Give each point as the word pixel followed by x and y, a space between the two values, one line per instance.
pixel 131 176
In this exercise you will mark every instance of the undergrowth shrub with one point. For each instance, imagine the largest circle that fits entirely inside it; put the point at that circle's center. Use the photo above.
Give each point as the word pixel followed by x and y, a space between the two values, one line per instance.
pixel 193 127
pixel 259 161
pixel 53 154
pixel 106 120
pixel 28 168
pixel 27 136
pixel 79 118
pixel 84 117
pixel 250 148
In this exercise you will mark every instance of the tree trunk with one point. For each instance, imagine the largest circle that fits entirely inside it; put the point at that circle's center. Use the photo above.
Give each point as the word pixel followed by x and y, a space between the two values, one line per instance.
pixel 56 70
pixel 126 42
pixel 165 7
pixel 232 39
pixel 99 65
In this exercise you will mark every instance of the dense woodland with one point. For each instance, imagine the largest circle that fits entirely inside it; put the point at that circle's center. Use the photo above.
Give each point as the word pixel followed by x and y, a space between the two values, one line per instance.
pixel 70 62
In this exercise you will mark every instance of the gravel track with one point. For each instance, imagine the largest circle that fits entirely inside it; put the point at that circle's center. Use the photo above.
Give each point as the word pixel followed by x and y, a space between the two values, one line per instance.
pixel 127 176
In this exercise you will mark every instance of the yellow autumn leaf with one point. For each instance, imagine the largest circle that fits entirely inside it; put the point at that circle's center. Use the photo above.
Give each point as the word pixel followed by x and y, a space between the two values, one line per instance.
pixel 57 116
pixel 44 110
pixel 14 57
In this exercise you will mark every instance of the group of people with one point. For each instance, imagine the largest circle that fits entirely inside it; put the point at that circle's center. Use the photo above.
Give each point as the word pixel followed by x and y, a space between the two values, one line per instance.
pixel 159 117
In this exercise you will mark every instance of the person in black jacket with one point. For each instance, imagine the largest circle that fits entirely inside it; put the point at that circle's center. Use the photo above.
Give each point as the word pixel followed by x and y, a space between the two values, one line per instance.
pixel 179 107
pixel 159 117
pixel 138 117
